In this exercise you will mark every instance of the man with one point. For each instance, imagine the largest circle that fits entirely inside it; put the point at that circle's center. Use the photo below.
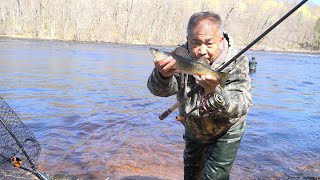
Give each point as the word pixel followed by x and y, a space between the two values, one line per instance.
pixel 214 118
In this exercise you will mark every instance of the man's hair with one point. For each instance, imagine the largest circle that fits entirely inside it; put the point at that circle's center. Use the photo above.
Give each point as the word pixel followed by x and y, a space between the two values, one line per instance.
pixel 210 16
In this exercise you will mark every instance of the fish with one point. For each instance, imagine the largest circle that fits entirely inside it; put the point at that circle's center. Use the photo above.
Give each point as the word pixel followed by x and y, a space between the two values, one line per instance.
pixel 188 65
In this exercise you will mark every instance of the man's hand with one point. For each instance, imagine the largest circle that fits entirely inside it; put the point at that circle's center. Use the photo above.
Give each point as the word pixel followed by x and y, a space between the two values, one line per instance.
pixel 165 66
pixel 208 82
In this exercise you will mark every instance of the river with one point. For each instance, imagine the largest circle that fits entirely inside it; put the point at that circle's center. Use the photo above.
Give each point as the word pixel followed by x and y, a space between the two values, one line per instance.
pixel 89 108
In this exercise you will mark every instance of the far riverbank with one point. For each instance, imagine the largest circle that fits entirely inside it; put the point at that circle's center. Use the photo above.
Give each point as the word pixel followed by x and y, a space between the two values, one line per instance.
pixel 138 43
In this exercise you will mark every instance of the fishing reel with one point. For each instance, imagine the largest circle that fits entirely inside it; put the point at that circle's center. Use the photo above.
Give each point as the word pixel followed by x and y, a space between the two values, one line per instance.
pixel 211 105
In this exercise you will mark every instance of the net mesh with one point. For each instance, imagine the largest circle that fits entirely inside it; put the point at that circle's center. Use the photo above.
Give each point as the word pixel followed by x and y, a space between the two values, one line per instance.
pixel 14 137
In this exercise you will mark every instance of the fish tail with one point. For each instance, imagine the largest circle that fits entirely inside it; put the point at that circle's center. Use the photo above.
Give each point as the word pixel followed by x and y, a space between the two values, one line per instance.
pixel 223 79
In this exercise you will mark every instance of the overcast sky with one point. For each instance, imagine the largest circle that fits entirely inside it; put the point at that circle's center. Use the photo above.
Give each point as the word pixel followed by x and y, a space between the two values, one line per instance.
pixel 315 1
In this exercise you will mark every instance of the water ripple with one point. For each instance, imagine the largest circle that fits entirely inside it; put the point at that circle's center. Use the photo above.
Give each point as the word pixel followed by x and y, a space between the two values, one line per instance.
pixel 89 107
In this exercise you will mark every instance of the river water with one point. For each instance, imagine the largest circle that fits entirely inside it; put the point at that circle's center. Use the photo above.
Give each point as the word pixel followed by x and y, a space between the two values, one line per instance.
pixel 88 106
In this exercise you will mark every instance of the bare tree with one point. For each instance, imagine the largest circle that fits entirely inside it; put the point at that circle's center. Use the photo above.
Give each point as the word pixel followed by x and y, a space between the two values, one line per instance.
pixel 156 22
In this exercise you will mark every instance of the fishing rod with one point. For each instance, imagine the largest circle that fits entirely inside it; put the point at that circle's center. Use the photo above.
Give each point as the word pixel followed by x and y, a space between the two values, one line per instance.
pixel 197 87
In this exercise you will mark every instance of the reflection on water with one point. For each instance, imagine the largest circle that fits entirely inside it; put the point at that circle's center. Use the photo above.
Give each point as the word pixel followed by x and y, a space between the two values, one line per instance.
pixel 89 107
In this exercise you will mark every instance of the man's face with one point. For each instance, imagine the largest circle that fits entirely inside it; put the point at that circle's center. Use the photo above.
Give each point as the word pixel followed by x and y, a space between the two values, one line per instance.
pixel 204 41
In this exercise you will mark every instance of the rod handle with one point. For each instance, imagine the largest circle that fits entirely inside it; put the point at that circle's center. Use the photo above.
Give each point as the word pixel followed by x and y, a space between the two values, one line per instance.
pixel 165 114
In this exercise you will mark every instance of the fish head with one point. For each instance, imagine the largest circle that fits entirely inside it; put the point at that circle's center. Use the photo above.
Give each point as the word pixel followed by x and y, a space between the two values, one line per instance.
pixel 158 54
pixel 154 51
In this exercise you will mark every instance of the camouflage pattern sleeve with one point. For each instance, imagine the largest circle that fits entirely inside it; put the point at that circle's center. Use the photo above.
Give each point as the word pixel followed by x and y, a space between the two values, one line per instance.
pixel 237 92
pixel 161 86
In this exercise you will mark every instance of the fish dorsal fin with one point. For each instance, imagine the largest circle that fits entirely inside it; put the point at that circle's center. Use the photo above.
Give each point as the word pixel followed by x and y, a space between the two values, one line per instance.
pixel 183 52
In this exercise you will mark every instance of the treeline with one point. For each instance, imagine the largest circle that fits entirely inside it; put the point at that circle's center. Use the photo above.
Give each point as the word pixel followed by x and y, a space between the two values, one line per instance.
pixel 158 21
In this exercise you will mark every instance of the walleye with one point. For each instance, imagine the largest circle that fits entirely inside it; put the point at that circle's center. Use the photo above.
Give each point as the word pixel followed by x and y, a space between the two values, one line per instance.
pixel 186 64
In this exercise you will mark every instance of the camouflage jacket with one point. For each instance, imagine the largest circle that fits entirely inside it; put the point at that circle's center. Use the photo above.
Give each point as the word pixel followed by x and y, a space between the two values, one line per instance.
pixel 237 93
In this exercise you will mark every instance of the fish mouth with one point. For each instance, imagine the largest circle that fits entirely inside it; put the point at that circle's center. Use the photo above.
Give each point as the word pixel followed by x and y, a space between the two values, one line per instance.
pixel 153 51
